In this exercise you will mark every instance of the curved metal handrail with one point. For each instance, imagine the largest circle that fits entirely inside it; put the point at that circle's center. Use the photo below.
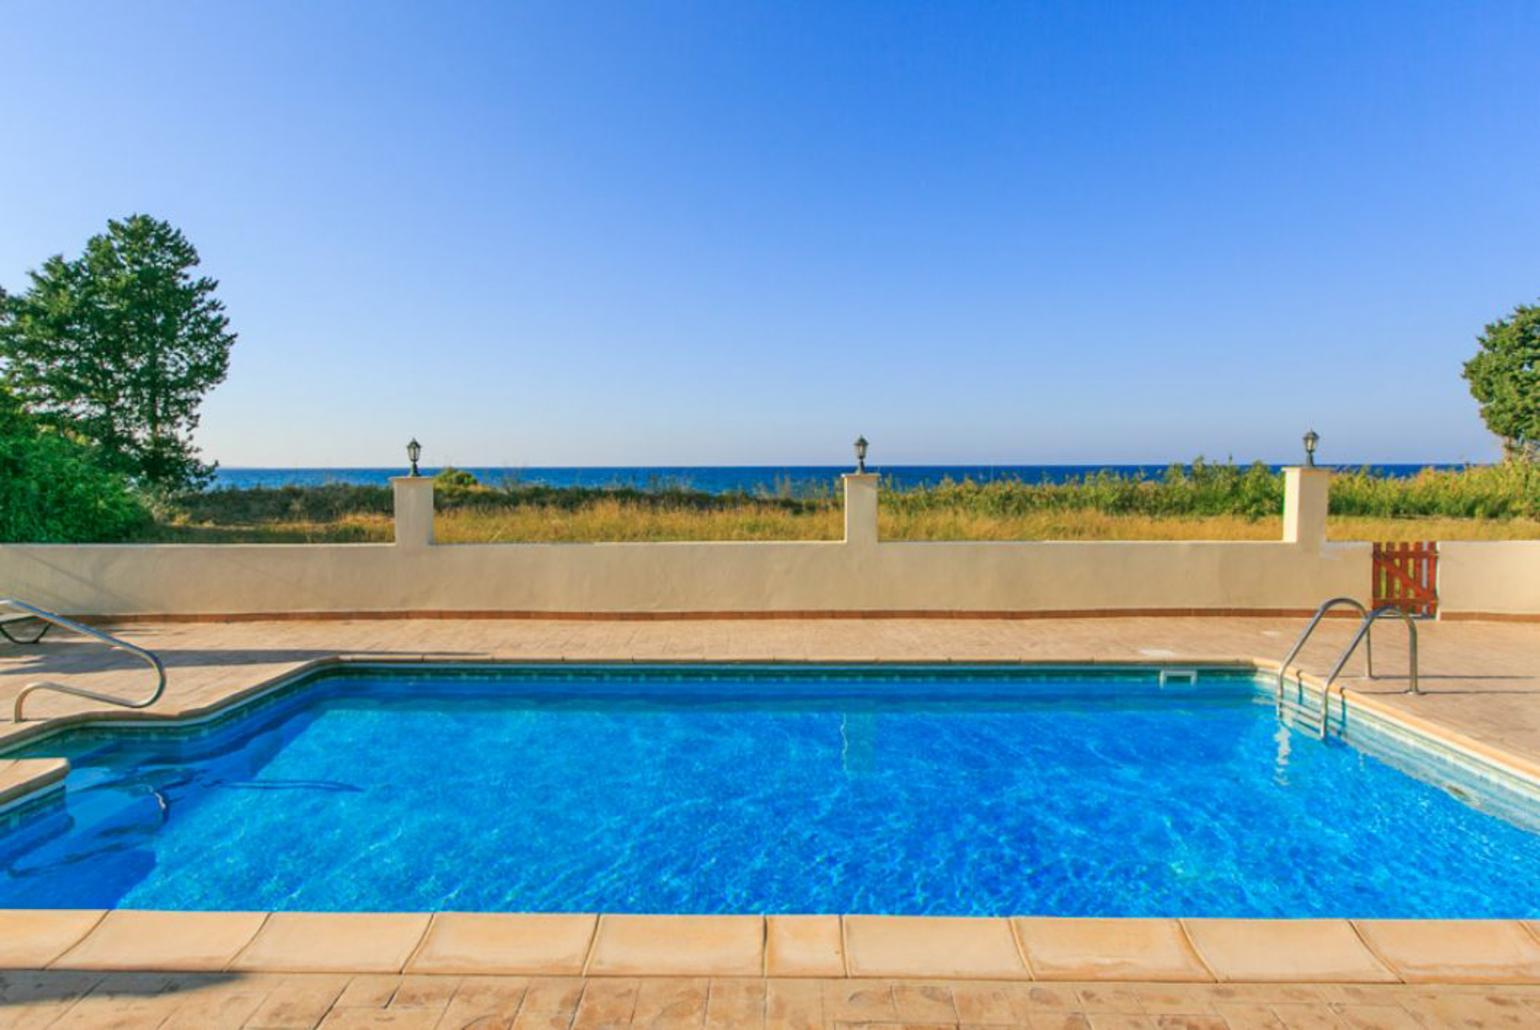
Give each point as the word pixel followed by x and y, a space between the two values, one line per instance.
pixel 1320 613
pixel 1363 632
pixel 61 621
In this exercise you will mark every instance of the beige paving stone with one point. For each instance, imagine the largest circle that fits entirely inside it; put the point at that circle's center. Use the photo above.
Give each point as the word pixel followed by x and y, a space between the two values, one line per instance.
pixel 793 1004
pixel 220 1009
pixel 858 1001
pixel 488 995
pixel 559 994
pixel 31 938
pixel 1318 950
pixel 1450 951
pixel 297 1002
pixel 1248 1016
pixel 671 1002
pixel 804 946
pixel 334 942
pixel 552 945
pixel 130 939
pixel 424 992
pixel 606 1003
pixel 911 946
pixel 990 1004
pixel 1376 1017
pixel 385 1019
pixel 1108 949
pixel 1119 1021
pixel 924 1002
pixel 369 991
pixel 627 945
pixel 735 1003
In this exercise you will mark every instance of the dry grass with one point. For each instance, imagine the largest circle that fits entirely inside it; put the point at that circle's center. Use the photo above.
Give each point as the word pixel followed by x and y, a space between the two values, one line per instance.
pixel 613 520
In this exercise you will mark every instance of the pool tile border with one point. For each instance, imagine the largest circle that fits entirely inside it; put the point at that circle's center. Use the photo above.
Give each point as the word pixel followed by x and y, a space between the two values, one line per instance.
pixel 327 942
pixel 778 948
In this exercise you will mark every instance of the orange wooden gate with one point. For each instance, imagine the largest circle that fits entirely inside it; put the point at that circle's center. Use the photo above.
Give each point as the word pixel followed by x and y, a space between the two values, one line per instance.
pixel 1406 577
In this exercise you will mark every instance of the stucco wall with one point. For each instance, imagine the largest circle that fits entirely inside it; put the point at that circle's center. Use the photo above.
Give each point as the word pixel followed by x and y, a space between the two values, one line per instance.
pixel 1489 577
pixel 680 577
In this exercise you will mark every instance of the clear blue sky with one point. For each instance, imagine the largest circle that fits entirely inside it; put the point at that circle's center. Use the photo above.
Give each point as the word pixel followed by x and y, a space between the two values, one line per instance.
pixel 741 233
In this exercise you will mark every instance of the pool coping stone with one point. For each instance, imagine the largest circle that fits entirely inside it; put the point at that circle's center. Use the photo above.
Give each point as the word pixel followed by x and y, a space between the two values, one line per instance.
pixel 871 948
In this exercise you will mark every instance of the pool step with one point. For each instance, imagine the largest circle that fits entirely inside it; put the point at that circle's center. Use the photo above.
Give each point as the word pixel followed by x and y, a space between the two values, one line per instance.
pixel 1297 709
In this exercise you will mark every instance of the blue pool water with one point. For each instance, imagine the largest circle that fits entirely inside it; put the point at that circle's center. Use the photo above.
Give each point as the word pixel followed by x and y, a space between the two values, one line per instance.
pixel 764 789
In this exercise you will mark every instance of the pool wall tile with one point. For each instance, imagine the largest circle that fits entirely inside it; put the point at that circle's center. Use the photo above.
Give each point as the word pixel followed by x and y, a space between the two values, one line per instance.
pixel 1109 949
pixel 170 941
pixel 804 946
pixel 959 947
pixel 1454 951
pixel 468 943
pixel 32 938
pixel 323 942
pixel 1285 950
pixel 627 945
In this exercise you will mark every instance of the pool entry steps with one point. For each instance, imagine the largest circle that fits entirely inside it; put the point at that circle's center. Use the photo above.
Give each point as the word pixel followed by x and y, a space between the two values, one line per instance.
pixel 1296 706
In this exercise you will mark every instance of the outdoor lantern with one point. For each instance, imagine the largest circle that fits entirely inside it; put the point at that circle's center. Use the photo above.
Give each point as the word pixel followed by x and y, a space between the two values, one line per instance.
pixel 1311 439
pixel 413 452
pixel 861 454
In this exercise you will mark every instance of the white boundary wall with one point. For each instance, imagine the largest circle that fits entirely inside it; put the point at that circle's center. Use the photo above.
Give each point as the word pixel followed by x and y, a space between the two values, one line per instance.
pixel 1489 577
pixel 858 574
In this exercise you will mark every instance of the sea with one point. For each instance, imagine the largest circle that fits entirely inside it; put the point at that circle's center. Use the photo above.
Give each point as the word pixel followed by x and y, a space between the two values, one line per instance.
pixel 773 480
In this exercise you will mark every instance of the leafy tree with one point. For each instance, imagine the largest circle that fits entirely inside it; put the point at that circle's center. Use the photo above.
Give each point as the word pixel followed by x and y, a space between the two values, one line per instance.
pixel 119 346
pixel 53 491
pixel 1504 377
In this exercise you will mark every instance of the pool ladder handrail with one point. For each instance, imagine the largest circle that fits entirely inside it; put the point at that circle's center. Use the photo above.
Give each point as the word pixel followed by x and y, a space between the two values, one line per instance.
pixel 149 657
pixel 1363 635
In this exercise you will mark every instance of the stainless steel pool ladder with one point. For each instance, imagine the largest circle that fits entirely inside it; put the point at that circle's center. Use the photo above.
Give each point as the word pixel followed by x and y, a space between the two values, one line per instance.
pixel 54 618
pixel 1297 706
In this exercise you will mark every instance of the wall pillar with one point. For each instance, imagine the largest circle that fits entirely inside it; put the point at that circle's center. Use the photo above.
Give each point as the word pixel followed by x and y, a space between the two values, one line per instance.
pixel 414 510
pixel 1305 499
pixel 860 508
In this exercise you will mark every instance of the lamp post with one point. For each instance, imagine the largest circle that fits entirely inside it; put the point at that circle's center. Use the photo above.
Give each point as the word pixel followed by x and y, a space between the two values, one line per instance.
pixel 861 446
pixel 1311 439
pixel 413 452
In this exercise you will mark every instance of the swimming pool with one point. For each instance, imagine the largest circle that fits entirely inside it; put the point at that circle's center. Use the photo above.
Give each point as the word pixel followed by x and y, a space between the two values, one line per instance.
pixel 757 789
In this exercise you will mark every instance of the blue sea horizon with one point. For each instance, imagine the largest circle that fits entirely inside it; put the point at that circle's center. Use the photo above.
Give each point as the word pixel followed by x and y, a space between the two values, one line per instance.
pixel 787 480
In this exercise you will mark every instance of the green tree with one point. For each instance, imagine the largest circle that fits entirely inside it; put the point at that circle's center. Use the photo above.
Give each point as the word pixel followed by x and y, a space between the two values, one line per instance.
pixel 1504 377
pixel 53 491
pixel 119 346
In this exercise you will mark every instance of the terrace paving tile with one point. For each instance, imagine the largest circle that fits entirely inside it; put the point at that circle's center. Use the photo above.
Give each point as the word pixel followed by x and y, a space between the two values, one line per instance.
pixel 33 938
pixel 1108 949
pixel 545 944
pixel 673 1002
pixel 325 942
pixel 932 946
pixel 629 945
pixel 1454 951
pixel 804 946
pixel 129 939
pixel 1298 950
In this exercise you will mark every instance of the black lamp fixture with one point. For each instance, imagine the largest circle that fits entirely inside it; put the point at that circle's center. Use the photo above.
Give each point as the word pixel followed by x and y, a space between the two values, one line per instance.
pixel 413 452
pixel 1311 439
pixel 861 446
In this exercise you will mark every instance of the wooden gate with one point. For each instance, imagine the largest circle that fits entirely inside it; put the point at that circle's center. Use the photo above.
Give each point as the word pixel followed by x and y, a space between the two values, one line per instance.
pixel 1406 577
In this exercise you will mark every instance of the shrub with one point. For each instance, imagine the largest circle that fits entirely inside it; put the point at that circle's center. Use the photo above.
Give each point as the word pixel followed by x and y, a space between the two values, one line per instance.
pixel 52 490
